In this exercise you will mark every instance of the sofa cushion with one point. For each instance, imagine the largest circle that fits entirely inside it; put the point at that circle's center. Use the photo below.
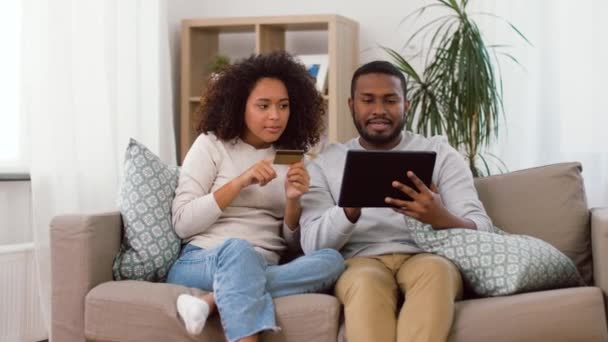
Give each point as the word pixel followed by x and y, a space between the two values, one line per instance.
pixel 143 311
pixel 497 263
pixel 545 202
pixel 575 314
pixel 564 315
pixel 149 245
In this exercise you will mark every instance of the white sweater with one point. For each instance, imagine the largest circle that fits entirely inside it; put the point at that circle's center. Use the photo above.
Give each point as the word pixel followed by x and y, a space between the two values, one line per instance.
pixel 255 215
pixel 381 230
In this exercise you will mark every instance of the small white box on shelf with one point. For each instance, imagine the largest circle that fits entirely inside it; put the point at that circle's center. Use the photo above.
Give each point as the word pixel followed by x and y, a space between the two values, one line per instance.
pixel 317 65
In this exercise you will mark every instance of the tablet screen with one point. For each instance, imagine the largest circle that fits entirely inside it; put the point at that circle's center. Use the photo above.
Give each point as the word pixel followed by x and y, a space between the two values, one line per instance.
pixel 368 175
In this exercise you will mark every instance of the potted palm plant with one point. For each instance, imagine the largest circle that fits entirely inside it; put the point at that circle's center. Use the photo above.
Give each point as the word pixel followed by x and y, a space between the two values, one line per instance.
pixel 459 92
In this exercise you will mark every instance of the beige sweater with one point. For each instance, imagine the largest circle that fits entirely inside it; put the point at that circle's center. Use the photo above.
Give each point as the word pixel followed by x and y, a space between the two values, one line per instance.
pixel 255 215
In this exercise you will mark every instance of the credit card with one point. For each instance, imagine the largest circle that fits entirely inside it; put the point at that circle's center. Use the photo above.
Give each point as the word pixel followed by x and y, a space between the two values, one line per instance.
pixel 286 157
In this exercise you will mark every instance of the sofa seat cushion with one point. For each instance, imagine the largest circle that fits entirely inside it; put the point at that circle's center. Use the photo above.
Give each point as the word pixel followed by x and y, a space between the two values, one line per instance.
pixel 143 311
pixel 575 314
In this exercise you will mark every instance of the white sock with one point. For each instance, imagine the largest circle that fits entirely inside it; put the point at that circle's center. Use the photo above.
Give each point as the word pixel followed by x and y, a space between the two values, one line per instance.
pixel 194 311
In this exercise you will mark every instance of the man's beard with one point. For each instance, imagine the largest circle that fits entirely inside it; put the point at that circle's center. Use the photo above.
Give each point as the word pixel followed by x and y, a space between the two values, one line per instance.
pixel 379 139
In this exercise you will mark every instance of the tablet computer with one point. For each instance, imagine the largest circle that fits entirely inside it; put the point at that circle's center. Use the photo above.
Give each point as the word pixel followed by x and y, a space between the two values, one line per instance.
pixel 368 175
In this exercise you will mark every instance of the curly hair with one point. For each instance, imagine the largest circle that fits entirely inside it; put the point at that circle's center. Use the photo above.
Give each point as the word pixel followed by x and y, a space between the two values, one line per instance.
pixel 222 109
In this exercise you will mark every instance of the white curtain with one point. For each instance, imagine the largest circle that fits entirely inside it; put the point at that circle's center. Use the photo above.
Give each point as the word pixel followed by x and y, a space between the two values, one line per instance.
pixel 96 73
pixel 556 105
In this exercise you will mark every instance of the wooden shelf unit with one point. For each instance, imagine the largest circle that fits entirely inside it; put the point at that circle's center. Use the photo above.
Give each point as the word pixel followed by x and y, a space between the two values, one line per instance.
pixel 200 44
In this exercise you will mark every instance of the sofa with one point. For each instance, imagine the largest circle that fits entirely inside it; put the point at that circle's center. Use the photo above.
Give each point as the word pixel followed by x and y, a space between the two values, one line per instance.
pixel 546 202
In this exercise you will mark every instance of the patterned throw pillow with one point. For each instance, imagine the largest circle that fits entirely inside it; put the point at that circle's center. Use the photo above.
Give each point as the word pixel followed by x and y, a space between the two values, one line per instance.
pixel 497 264
pixel 149 245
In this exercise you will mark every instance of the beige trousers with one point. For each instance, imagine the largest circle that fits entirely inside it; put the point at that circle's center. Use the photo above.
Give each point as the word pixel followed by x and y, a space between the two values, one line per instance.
pixel 369 289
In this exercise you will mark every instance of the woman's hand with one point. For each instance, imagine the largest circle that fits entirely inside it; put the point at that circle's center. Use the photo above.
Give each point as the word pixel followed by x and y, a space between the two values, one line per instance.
pixel 259 173
pixel 297 181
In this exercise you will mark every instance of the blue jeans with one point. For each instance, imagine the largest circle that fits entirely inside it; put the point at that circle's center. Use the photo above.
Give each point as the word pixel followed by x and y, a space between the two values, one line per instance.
pixel 244 285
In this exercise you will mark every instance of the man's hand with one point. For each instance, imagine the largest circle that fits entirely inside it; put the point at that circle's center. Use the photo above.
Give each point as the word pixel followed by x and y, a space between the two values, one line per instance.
pixel 426 205
pixel 352 214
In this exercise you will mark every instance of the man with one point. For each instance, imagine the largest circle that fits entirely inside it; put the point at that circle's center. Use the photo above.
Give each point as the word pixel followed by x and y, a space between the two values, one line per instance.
pixel 383 260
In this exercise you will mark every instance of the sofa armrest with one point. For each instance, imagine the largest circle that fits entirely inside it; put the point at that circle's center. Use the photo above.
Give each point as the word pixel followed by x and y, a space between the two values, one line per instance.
pixel 599 246
pixel 82 252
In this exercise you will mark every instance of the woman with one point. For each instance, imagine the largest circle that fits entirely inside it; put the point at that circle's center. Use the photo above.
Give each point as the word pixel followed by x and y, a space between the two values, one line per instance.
pixel 236 210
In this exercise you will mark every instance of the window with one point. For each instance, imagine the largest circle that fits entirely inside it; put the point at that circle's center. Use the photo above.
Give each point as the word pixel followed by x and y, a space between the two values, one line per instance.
pixel 13 152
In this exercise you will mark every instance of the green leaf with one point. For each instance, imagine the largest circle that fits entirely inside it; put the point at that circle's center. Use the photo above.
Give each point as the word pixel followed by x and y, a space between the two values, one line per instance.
pixel 459 92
